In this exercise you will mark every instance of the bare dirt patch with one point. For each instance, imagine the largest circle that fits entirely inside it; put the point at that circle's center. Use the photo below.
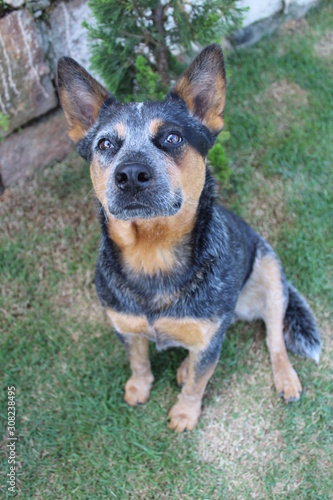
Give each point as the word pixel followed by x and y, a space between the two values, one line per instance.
pixel 78 300
pixel 238 436
pixel 293 27
pixel 39 204
pixel 324 47
pixel 283 99
pixel 283 89
pixel 266 211
pixel 59 218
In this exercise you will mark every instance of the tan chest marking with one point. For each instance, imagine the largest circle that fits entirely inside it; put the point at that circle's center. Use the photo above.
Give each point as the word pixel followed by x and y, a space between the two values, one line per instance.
pixel 148 245
pixel 192 333
pixel 128 323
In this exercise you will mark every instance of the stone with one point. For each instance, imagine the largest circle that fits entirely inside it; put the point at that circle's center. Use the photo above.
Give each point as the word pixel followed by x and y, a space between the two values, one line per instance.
pixel 298 8
pixel 26 89
pixel 36 146
pixel 259 10
pixel 263 18
pixel 249 35
pixel 36 5
pixel 67 36
pixel 299 4
pixel 16 4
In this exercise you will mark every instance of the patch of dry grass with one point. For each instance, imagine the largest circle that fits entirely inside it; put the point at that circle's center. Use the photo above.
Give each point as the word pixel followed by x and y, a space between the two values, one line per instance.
pixel 44 203
pixel 43 206
pixel 283 98
pixel 282 90
pixel 242 433
pixel 324 47
pixel 266 210
pixel 78 300
pixel 293 27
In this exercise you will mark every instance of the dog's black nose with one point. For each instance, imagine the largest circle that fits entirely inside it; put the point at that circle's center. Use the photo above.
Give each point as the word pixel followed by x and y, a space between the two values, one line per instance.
pixel 133 177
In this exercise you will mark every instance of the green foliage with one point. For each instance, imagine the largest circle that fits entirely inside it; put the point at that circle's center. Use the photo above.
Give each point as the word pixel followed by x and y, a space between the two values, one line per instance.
pixel 147 80
pixel 4 121
pixel 4 8
pixel 124 33
pixel 219 160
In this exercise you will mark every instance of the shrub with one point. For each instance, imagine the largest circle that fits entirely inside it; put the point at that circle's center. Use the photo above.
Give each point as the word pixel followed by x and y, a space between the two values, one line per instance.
pixel 134 46
pixel 219 160
pixel 132 41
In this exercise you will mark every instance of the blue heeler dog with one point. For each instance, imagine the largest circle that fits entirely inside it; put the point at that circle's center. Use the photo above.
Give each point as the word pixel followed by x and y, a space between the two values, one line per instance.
pixel 174 266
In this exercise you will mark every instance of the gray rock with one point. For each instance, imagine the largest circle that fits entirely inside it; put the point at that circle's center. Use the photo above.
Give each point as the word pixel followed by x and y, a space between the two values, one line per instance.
pixel 26 90
pixel 34 147
pixel 295 9
pixel 298 8
pixel 36 5
pixel 16 4
pixel 260 22
pixel 259 10
pixel 251 34
pixel 38 13
pixel 67 35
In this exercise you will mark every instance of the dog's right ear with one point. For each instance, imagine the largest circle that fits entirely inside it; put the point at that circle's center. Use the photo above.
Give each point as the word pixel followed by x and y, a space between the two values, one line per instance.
pixel 203 88
pixel 81 97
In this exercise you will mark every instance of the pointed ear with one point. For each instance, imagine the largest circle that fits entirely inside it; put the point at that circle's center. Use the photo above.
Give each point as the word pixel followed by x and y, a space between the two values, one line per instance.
pixel 203 88
pixel 81 97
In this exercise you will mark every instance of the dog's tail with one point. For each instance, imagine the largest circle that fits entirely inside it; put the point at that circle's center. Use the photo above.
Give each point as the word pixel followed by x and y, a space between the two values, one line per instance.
pixel 300 330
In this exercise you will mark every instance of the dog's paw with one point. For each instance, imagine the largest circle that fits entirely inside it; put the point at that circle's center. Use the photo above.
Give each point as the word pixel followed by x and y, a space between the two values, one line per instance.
pixel 288 385
pixel 182 372
pixel 184 417
pixel 137 390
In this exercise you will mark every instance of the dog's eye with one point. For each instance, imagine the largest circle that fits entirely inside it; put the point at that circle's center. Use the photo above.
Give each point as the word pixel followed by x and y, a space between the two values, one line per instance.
pixel 105 144
pixel 173 139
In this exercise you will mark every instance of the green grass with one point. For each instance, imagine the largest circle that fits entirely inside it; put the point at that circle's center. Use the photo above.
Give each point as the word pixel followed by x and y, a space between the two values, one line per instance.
pixel 77 438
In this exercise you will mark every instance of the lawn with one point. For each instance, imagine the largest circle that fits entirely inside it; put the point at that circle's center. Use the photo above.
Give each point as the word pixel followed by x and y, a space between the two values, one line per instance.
pixel 77 438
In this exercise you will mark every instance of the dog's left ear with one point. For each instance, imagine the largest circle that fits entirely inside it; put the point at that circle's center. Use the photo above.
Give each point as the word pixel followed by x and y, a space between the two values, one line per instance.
pixel 203 88
pixel 81 97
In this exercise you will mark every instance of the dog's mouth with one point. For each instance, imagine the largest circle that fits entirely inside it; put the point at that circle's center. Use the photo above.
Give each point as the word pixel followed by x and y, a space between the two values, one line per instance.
pixel 134 205
pixel 138 210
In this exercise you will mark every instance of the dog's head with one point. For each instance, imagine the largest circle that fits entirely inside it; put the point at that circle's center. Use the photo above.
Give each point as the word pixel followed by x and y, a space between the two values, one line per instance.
pixel 146 159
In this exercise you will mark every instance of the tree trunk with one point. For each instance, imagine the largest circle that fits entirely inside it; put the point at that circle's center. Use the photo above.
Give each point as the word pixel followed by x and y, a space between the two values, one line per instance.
pixel 161 52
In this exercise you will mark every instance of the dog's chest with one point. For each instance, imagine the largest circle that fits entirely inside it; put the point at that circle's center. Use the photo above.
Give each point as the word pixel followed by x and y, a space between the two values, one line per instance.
pixel 191 333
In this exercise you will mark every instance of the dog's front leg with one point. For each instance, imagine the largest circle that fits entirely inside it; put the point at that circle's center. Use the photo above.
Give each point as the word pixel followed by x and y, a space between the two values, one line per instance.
pixel 197 369
pixel 138 386
pixel 131 330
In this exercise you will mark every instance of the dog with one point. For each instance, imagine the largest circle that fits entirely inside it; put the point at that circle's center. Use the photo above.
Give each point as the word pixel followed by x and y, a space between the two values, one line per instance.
pixel 174 266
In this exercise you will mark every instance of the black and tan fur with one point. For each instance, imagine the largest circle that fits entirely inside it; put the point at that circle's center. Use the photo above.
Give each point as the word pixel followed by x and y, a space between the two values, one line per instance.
pixel 174 266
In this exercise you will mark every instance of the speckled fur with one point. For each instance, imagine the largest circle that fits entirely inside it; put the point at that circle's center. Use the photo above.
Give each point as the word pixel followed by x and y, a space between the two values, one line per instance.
pixel 216 270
